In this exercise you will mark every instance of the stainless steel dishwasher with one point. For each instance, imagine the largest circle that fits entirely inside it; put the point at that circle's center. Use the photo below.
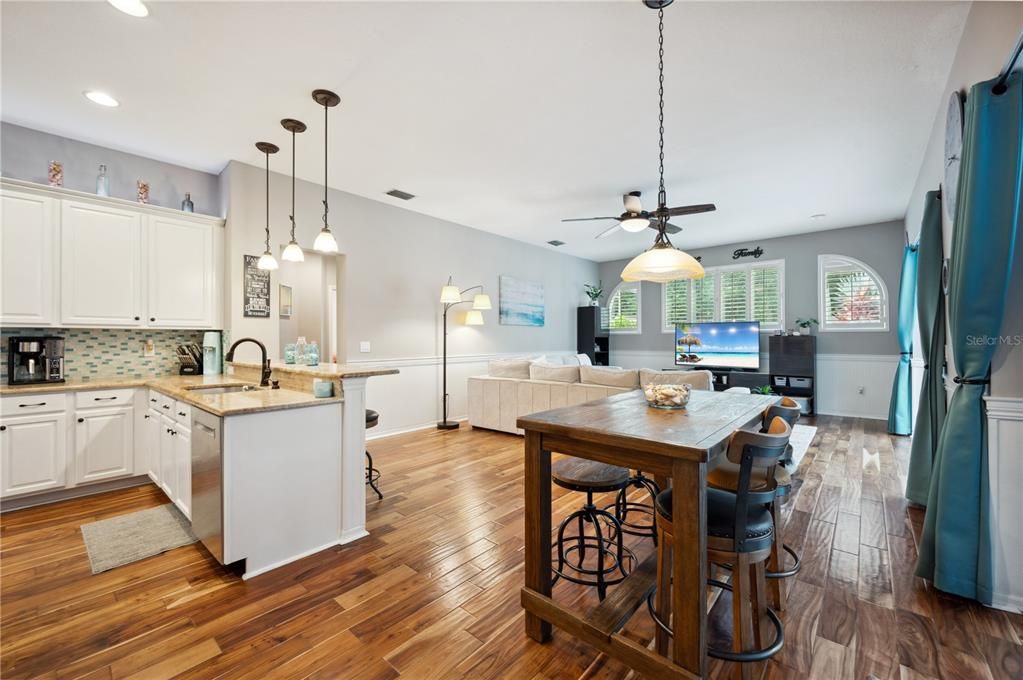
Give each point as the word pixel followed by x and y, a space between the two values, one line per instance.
pixel 208 481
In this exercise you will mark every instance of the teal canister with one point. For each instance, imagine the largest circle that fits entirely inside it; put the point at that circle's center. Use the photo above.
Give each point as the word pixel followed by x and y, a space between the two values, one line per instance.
pixel 212 353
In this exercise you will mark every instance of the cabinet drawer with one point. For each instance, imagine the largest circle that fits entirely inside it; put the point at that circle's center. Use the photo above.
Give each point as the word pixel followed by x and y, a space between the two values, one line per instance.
pixel 162 403
pixel 183 414
pixel 28 404
pixel 91 398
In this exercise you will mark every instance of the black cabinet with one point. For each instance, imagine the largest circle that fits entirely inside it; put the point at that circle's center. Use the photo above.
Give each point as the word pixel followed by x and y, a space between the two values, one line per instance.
pixel 591 339
pixel 794 368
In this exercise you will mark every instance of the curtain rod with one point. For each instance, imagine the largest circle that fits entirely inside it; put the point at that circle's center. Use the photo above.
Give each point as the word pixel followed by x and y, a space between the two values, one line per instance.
pixel 1013 56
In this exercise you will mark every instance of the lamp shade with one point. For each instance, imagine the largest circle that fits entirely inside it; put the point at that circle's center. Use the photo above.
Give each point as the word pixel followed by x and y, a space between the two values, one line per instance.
pixel 661 264
pixel 635 224
pixel 266 262
pixel 481 301
pixel 473 318
pixel 293 253
pixel 325 242
pixel 449 295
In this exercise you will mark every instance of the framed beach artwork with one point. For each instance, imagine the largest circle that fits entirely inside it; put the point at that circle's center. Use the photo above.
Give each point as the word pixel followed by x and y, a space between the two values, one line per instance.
pixel 521 302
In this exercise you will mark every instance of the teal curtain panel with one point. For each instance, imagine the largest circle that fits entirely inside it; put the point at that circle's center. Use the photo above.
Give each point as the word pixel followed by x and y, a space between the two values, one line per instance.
pixel 900 407
pixel 955 547
pixel 930 309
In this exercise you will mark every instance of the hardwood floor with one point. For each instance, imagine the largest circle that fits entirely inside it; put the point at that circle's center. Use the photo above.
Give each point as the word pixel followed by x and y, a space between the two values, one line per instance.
pixel 433 592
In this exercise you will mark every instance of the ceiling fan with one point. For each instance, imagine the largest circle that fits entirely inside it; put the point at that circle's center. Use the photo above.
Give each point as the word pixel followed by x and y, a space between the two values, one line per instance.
pixel 636 219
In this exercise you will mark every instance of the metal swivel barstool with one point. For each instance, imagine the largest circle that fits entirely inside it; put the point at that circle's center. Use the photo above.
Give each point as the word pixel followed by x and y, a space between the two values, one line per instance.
pixel 613 560
pixel 372 474
pixel 645 526
pixel 740 531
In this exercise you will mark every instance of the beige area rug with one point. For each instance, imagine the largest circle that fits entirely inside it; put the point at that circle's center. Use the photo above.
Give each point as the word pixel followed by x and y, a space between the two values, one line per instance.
pixel 801 438
pixel 129 538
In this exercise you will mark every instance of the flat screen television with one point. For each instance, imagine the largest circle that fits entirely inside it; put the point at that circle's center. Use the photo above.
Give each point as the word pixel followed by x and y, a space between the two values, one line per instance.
pixel 718 345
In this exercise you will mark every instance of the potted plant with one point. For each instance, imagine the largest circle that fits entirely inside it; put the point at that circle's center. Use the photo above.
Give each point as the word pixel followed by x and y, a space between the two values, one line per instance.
pixel 763 389
pixel 806 324
pixel 594 293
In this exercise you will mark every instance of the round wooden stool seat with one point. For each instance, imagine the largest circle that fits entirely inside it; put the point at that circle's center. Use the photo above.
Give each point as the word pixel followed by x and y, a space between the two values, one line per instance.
pixel 372 418
pixel 579 474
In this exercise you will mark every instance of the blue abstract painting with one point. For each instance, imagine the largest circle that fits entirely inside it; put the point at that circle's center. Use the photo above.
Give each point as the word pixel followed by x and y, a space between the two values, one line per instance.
pixel 521 302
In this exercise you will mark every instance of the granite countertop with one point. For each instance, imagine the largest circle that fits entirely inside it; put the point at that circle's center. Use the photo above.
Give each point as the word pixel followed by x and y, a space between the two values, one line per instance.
pixel 182 388
pixel 329 371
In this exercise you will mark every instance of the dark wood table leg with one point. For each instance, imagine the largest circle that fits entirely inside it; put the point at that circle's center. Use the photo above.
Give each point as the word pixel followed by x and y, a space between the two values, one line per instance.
pixel 689 566
pixel 538 530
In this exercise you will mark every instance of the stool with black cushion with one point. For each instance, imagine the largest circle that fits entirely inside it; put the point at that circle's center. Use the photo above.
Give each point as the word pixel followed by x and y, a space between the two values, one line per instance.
pixel 613 560
pixel 725 475
pixel 372 474
pixel 740 531
pixel 623 507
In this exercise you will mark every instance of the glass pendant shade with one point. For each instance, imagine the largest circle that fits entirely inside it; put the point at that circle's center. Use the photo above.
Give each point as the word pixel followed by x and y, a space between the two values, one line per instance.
pixel 266 262
pixel 449 295
pixel 635 224
pixel 481 301
pixel 473 318
pixel 293 253
pixel 662 264
pixel 325 242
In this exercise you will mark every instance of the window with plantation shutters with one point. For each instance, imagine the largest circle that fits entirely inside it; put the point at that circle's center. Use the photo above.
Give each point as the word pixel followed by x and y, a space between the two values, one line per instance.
pixel 749 292
pixel 621 315
pixel 853 297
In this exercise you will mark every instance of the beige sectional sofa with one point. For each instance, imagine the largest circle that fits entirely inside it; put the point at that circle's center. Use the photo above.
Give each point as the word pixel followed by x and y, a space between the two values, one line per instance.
pixel 497 401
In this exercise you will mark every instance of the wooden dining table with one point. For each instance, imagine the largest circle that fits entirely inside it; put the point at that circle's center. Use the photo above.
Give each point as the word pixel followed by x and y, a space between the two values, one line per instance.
pixel 673 446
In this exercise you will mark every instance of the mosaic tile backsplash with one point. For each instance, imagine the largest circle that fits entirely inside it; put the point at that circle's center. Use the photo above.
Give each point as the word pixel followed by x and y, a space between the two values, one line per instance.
pixel 110 352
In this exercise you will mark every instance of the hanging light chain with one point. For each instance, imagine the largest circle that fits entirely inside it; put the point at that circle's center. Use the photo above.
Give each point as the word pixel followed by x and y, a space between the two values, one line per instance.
pixel 292 215
pixel 325 146
pixel 662 198
pixel 267 154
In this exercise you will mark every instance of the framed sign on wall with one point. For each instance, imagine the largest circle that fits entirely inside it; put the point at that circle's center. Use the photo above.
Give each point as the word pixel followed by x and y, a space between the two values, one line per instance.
pixel 255 289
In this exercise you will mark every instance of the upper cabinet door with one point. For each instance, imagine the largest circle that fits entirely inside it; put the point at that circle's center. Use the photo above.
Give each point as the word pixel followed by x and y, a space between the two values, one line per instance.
pixel 101 272
pixel 28 241
pixel 181 273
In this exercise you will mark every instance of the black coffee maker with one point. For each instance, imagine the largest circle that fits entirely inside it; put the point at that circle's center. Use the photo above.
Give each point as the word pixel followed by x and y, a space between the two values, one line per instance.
pixel 38 359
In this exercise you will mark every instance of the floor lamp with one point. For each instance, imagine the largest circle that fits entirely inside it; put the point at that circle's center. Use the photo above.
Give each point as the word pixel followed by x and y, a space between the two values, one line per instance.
pixel 450 296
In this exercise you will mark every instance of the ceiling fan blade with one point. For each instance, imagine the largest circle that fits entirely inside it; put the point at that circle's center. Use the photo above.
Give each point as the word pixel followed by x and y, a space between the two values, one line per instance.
pixel 607 232
pixel 588 219
pixel 672 229
pixel 692 209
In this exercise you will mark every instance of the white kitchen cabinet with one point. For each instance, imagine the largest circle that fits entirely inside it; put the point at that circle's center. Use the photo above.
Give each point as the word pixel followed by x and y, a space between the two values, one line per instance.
pixel 181 273
pixel 33 453
pixel 101 265
pixel 28 246
pixel 153 423
pixel 168 458
pixel 183 458
pixel 104 444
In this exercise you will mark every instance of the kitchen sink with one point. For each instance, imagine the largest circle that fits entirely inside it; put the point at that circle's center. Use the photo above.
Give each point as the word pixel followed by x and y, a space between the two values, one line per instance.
pixel 224 389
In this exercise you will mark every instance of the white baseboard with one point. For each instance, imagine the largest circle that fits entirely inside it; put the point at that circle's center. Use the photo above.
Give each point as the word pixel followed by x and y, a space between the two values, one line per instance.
pixel 1005 476
pixel 294 558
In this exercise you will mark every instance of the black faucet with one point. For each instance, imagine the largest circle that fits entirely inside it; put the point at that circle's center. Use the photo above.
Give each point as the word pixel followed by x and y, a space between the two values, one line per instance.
pixel 265 379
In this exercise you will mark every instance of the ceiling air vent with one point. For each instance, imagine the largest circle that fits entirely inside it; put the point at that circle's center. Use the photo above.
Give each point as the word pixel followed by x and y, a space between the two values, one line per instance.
pixel 556 243
pixel 403 195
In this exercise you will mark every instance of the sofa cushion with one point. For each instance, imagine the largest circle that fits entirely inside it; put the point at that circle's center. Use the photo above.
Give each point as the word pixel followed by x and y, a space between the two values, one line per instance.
pixel 554 372
pixel 509 368
pixel 698 380
pixel 584 359
pixel 611 377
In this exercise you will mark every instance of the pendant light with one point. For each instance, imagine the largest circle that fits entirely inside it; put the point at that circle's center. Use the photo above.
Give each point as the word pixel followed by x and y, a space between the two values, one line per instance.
pixel 325 241
pixel 266 260
pixel 663 262
pixel 293 252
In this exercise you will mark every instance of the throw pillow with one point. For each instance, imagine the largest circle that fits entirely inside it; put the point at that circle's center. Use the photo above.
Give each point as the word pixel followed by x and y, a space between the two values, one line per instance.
pixel 509 368
pixel 553 372
pixel 698 380
pixel 584 359
pixel 609 377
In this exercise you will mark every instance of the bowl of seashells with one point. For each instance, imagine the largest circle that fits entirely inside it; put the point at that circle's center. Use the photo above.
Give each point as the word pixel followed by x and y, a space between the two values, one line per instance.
pixel 669 397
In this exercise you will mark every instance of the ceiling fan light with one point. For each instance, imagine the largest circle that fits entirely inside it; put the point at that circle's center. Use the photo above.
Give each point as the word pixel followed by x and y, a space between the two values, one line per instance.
pixel 662 264
pixel 266 262
pixel 293 253
pixel 325 242
pixel 635 224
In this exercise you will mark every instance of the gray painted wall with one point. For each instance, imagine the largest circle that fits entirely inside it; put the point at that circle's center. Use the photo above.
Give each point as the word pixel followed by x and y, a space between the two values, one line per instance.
pixel 988 36
pixel 396 262
pixel 879 245
pixel 26 154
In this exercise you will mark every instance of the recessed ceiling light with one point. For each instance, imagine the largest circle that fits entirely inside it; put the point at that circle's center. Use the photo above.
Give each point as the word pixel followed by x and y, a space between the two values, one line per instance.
pixel 101 98
pixel 133 7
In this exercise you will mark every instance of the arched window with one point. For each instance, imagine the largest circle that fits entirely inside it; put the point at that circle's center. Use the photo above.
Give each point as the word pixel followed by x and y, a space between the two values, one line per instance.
pixel 853 297
pixel 621 315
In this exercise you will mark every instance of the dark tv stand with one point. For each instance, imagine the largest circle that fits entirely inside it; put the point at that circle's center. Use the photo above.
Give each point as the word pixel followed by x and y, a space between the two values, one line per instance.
pixel 794 368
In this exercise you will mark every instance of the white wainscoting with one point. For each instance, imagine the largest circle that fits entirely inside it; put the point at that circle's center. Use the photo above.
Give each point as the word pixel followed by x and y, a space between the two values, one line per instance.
pixel 1005 471
pixel 839 379
pixel 411 400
